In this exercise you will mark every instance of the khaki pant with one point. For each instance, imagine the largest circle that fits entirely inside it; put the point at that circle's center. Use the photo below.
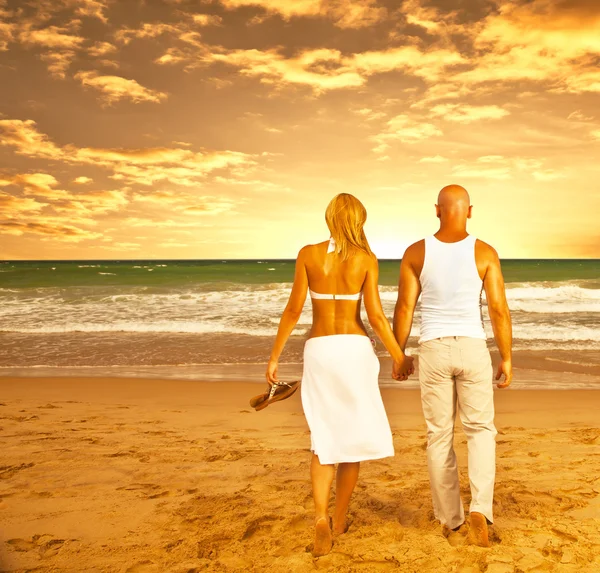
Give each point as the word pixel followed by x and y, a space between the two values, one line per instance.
pixel 456 371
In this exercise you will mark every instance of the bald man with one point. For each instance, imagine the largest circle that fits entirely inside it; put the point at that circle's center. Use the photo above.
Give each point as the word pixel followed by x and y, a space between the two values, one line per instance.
pixel 449 270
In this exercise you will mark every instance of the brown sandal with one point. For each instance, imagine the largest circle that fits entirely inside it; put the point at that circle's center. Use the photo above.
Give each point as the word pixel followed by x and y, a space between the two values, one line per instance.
pixel 278 391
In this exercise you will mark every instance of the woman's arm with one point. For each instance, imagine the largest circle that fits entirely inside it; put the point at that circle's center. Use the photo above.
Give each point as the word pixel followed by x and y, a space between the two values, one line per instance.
pixel 290 315
pixel 378 320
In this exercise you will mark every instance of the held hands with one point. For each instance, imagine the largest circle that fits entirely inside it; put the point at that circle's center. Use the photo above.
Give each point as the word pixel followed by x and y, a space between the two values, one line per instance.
pixel 402 370
pixel 271 372
pixel 505 367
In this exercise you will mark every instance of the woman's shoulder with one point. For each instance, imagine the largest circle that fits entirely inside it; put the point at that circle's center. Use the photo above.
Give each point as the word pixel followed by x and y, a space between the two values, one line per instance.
pixel 307 249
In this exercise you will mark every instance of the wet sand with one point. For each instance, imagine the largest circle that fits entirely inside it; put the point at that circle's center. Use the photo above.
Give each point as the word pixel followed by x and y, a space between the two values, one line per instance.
pixel 154 476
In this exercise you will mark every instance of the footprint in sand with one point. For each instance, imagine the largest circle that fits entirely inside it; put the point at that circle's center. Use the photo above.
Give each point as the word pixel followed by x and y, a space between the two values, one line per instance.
pixel 152 491
pixel 143 567
pixel 299 523
pixel 23 418
pixel 262 525
pixel 46 547
pixel 227 457
pixel 121 454
pixel 10 471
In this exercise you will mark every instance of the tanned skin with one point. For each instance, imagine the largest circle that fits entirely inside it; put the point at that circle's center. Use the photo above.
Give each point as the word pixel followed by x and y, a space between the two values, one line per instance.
pixel 327 273
pixel 453 209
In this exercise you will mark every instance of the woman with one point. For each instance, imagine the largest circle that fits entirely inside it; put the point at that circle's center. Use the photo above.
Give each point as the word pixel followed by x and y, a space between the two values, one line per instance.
pixel 340 392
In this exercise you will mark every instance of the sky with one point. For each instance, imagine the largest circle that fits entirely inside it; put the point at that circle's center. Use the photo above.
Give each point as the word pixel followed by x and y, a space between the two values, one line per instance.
pixel 170 129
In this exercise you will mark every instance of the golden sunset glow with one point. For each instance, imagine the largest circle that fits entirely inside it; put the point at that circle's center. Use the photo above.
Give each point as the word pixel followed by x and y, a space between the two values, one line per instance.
pixel 221 129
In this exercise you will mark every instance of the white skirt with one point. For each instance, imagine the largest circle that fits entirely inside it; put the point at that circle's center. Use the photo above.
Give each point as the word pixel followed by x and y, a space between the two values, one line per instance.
pixel 342 402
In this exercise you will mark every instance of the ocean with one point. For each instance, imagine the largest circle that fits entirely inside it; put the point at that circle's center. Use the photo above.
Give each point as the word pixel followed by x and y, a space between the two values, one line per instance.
pixel 187 318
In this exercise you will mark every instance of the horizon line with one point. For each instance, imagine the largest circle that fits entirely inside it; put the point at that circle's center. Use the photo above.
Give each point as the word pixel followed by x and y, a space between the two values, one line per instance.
pixel 266 259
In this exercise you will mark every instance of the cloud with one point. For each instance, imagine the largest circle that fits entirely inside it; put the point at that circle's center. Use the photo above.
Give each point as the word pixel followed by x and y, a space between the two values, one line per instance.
pixel 9 204
pixel 61 201
pixel 58 63
pixel 321 69
pixel 174 244
pixel 548 175
pixel 58 45
pixel 467 113
pixel 369 114
pixel 33 26
pixel 405 129
pixel 429 65
pixel 551 27
pixel 101 49
pixel 24 136
pixel 584 81
pixel 578 115
pixel 182 203
pixel 82 180
pixel 544 41
pixel 94 203
pixel 210 205
pixel 161 197
pixel 355 13
pixel 503 168
pixel 207 19
pixel 256 184
pixel 147 30
pixel 595 133
pixel 500 173
pixel 41 185
pixel 343 13
pixel 325 69
pixel 64 232
pixel 7 32
pixel 158 223
pixel 116 88
pixel 144 166
pixel 92 8
pixel 52 37
pixel 433 159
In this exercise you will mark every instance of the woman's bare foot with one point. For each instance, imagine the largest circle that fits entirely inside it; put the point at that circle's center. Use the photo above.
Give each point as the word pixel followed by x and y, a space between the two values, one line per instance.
pixel 478 532
pixel 323 540
pixel 342 526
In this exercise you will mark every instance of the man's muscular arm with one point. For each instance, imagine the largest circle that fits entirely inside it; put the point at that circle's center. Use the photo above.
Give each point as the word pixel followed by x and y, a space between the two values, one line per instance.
pixel 493 283
pixel 409 289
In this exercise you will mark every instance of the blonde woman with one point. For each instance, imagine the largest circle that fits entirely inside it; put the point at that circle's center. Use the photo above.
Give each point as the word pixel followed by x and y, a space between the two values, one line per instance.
pixel 340 393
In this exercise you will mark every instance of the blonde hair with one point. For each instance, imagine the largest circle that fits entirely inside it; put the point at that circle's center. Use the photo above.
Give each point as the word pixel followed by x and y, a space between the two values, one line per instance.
pixel 345 217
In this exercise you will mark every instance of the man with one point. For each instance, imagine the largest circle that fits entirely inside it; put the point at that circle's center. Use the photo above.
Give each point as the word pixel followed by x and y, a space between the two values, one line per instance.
pixel 449 270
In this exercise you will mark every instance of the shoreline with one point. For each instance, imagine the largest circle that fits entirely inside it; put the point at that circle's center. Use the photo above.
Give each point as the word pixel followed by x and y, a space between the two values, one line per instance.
pixel 235 395
pixel 532 370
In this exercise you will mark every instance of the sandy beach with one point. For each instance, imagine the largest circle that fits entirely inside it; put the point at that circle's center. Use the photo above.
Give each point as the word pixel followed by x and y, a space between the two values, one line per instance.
pixel 152 476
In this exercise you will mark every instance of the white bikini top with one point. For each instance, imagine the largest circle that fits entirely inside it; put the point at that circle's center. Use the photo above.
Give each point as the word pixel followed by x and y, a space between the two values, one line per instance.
pixel 322 296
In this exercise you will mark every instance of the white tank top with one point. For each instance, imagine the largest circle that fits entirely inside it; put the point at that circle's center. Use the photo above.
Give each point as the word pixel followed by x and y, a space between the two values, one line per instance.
pixel 450 290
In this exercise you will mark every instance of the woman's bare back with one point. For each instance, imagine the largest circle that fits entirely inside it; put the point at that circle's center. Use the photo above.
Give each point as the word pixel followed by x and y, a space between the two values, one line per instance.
pixel 328 274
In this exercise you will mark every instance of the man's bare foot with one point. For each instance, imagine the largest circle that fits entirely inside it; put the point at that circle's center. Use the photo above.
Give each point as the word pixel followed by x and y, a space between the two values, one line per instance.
pixel 341 527
pixel 323 541
pixel 456 536
pixel 478 532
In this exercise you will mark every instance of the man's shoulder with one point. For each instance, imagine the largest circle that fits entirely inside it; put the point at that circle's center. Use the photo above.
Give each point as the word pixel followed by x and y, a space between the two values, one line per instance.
pixel 414 257
pixel 485 250
pixel 415 250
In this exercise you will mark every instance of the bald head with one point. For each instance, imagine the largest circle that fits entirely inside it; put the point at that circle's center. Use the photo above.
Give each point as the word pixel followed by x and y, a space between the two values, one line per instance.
pixel 453 196
pixel 453 205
